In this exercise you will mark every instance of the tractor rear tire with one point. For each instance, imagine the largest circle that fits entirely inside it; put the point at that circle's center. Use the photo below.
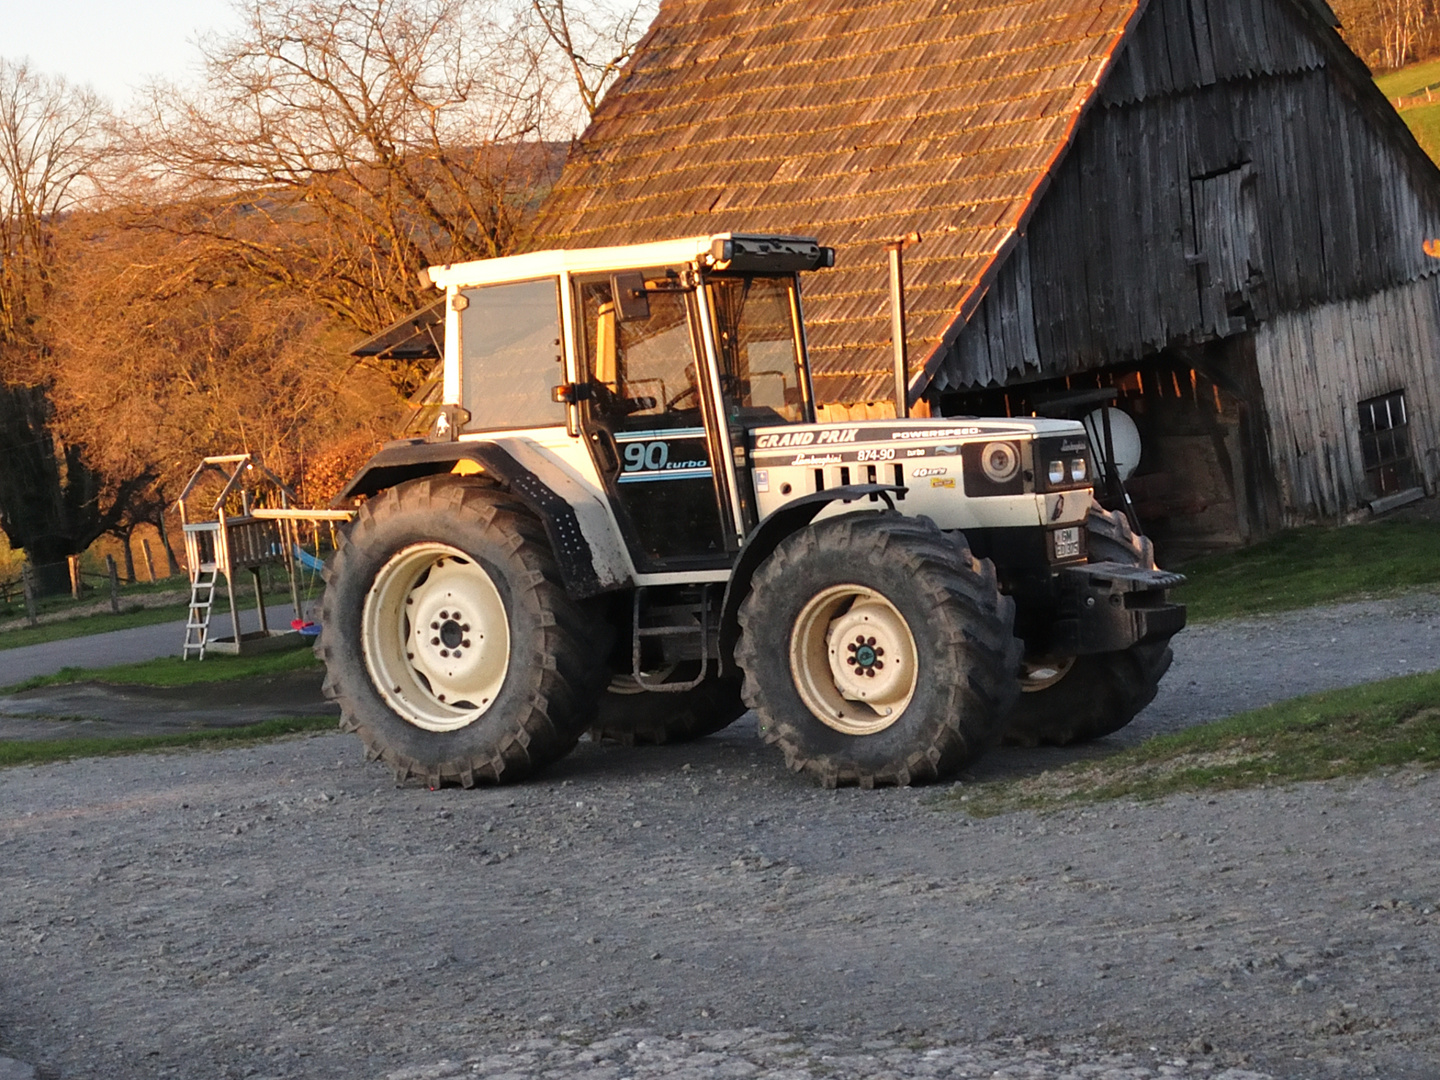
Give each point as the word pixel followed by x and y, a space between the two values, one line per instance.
pixel 1096 694
pixel 648 718
pixel 877 650
pixel 505 677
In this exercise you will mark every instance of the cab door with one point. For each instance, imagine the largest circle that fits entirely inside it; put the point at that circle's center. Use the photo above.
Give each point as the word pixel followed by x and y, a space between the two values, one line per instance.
pixel 644 419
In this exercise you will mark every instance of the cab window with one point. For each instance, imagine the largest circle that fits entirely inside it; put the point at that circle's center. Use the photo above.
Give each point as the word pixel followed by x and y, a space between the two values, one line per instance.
pixel 758 347
pixel 640 350
pixel 510 354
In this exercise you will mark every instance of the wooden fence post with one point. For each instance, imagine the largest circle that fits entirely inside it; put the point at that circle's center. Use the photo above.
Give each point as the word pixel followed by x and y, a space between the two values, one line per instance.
pixel 114 583
pixel 32 616
pixel 149 560
pixel 74 561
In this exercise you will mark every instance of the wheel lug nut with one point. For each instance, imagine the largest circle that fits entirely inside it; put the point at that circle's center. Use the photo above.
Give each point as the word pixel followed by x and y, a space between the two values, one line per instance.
pixel 444 652
pixel 465 644
pixel 434 641
pixel 434 626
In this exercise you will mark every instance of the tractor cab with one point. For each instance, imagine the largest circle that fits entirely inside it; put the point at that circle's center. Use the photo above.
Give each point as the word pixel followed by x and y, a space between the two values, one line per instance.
pixel 658 358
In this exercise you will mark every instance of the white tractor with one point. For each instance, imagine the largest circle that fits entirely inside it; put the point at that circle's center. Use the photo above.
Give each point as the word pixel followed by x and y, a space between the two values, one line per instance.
pixel 626 519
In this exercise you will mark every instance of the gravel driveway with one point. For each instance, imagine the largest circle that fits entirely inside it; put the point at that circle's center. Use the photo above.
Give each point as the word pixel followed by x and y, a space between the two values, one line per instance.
pixel 696 911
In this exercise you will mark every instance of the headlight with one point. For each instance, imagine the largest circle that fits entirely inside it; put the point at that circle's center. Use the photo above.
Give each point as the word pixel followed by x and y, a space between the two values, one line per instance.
pixel 1000 461
pixel 1057 472
pixel 1077 469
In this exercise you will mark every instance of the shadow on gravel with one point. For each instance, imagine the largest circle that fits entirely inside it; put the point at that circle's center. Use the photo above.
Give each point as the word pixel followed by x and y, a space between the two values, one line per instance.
pixel 91 709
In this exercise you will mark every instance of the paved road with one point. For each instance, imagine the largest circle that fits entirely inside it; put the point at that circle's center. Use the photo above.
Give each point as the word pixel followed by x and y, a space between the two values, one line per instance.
pixel 118 646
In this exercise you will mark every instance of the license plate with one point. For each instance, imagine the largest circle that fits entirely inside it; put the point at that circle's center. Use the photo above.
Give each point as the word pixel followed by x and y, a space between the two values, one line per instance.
pixel 1067 543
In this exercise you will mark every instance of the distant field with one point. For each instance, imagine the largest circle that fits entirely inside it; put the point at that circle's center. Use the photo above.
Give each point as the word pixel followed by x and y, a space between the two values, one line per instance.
pixel 1424 122
pixel 1409 80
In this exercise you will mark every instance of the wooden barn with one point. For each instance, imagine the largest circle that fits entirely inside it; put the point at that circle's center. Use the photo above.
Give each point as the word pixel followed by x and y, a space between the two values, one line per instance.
pixel 1205 205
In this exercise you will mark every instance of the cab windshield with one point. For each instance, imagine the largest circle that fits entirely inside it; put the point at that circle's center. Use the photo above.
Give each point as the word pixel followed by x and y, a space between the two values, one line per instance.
pixel 758 348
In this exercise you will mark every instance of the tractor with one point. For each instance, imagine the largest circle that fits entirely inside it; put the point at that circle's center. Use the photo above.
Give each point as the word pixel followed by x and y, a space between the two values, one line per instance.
pixel 625 519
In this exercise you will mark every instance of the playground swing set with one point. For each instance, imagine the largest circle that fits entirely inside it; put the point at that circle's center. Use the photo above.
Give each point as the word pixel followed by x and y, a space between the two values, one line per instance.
pixel 252 523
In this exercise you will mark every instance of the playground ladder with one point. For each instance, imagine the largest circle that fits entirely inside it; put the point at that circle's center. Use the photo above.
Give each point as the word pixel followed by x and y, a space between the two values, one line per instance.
pixel 202 599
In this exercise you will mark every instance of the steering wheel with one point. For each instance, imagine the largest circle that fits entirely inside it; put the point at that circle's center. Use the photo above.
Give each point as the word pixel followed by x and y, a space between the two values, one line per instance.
pixel 691 391
pixel 611 403
pixel 728 385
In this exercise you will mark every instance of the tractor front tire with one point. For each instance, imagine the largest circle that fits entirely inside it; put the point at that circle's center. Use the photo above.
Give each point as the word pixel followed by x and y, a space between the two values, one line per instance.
pixel 1093 695
pixel 449 641
pixel 877 650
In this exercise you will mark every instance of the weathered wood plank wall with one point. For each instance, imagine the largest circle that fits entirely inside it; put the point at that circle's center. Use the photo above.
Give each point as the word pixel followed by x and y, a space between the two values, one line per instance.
pixel 1231 169
pixel 1167 207
pixel 1324 361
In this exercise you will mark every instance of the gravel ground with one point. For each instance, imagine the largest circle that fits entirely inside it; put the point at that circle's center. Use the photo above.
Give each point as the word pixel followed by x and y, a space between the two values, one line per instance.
pixel 286 910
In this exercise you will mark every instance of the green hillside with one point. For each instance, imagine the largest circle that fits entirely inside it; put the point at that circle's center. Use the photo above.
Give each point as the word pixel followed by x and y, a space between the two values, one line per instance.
pixel 1423 119
pixel 1409 80
pixel 1425 123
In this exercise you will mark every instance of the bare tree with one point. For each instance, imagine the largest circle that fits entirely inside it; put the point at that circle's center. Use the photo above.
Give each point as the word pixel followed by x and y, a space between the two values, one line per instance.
pixel 53 502
pixel 51 139
pixel 594 39
pixel 343 145
pixel 175 359
pixel 1388 34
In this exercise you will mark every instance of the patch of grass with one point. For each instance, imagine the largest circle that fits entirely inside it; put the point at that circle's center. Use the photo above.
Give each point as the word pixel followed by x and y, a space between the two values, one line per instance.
pixel 1424 122
pixel 85 625
pixel 1409 80
pixel 1348 732
pixel 19 752
pixel 172 671
pixel 1304 567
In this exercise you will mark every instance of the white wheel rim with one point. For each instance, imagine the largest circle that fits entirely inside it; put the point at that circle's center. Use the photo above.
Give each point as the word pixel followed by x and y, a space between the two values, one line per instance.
pixel 436 638
pixel 853 659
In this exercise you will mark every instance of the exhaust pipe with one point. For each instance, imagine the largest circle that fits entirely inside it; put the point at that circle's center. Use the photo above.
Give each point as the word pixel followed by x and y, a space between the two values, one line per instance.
pixel 897 323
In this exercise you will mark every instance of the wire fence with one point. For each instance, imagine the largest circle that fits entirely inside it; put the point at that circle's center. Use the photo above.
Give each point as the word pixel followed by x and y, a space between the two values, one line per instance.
pixel 45 592
pixel 45 588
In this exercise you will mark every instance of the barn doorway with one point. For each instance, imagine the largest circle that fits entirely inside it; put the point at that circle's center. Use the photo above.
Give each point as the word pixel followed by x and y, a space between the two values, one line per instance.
pixel 1204 482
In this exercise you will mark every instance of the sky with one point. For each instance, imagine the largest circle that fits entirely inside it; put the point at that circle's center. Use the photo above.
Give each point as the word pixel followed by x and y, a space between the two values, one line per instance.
pixel 113 45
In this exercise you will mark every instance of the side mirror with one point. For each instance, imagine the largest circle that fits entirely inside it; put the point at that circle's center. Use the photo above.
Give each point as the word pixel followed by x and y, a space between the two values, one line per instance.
pixel 631 299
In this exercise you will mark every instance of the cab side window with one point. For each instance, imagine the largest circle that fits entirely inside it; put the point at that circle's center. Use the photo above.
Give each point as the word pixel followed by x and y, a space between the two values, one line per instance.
pixel 511 355
pixel 642 367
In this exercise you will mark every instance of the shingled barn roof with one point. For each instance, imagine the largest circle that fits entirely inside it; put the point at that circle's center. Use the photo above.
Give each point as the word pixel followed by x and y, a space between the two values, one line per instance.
pixel 856 121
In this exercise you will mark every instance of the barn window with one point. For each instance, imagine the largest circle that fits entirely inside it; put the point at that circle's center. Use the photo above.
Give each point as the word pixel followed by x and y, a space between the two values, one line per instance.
pixel 1385 443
